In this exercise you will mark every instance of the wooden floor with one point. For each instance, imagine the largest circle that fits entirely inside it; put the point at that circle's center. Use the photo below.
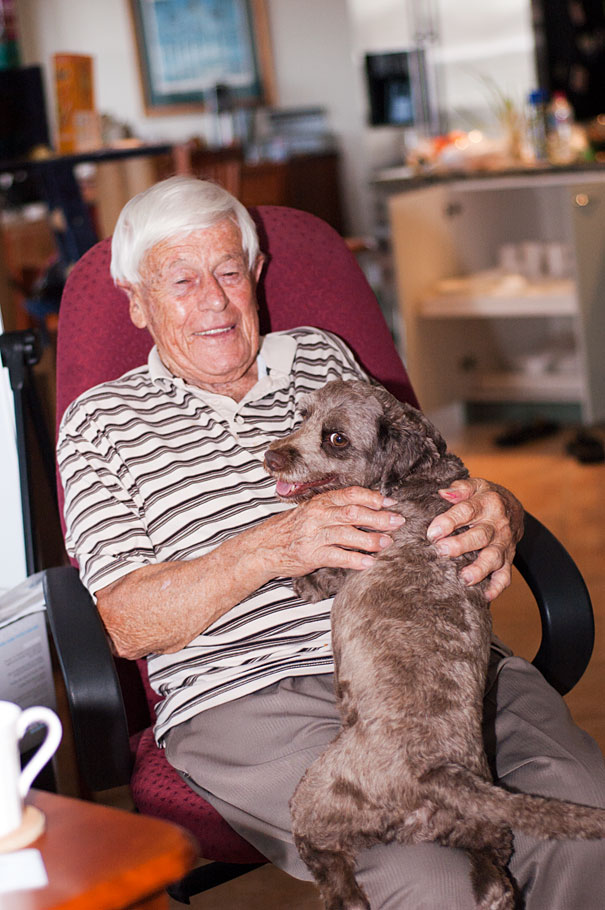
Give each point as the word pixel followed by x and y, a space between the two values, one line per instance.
pixel 570 499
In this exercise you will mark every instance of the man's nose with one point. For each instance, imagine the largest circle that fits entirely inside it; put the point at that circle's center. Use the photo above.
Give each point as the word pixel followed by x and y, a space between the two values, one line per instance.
pixel 212 295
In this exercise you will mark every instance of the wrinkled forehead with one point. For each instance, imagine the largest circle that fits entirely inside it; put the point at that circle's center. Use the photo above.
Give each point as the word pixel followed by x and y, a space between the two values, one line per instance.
pixel 203 246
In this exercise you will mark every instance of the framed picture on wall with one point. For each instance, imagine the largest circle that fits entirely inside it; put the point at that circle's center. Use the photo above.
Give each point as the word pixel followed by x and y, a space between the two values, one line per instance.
pixel 192 51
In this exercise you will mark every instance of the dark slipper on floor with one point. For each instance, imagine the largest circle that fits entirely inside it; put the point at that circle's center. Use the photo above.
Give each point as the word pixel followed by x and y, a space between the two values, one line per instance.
pixel 519 434
pixel 587 448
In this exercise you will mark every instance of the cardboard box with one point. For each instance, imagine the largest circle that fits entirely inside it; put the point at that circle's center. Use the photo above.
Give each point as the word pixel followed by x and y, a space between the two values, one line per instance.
pixel 78 125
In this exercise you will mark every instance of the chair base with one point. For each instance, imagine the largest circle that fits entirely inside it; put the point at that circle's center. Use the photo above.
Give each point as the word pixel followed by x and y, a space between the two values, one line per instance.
pixel 208 876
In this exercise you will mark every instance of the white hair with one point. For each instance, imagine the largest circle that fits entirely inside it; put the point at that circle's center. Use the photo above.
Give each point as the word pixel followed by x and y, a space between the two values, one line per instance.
pixel 174 208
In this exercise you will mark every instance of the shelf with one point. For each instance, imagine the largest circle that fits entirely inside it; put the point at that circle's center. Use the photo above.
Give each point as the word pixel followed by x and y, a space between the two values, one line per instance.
pixel 545 298
pixel 516 386
pixel 469 319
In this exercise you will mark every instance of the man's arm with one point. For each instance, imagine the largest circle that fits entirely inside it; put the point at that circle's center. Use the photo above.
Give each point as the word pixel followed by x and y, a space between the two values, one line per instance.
pixel 164 606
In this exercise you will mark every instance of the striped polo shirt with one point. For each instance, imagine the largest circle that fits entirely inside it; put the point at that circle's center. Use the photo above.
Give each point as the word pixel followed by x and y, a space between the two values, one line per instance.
pixel 156 470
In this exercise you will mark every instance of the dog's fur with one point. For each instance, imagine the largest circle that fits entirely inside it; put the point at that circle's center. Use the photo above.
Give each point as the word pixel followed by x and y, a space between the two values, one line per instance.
pixel 411 645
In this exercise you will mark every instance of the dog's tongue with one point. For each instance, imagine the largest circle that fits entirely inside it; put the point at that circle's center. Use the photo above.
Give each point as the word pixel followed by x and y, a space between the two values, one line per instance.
pixel 284 489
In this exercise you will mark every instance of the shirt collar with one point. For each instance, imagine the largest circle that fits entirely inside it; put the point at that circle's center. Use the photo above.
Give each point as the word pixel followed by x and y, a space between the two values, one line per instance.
pixel 275 358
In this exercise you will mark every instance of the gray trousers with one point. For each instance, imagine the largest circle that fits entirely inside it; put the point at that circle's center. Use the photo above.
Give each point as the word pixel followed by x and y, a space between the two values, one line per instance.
pixel 247 756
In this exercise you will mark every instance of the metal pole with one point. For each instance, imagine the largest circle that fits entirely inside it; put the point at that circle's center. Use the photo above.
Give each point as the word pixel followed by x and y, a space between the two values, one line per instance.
pixel 19 351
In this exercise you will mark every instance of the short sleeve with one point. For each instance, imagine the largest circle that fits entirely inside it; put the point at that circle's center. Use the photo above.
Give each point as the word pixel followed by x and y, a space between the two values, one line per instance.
pixel 105 525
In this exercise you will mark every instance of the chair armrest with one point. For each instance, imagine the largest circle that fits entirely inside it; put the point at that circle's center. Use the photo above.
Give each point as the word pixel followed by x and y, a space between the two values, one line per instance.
pixel 91 682
pixel 564 604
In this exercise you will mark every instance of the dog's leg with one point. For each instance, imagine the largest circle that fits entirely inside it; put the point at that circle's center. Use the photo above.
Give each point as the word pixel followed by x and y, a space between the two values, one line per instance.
pixel 334 875
pixel 325 830
pixel 489 847
pixel 491 885
pixel 332 820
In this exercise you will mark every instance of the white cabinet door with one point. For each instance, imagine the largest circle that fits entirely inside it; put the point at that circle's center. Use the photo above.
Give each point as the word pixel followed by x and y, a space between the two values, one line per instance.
pixel 465 341
pixel 587 206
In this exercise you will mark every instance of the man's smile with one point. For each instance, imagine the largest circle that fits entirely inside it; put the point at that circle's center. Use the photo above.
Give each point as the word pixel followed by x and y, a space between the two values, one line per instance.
pixel 219 331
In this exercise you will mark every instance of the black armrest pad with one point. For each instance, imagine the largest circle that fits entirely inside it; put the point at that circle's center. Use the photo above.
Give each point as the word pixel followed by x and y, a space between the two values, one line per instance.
pixel 564 604
pixel 91 682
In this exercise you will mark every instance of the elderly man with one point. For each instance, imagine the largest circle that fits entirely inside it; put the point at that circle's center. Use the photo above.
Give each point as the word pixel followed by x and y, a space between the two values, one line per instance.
pixel 189 554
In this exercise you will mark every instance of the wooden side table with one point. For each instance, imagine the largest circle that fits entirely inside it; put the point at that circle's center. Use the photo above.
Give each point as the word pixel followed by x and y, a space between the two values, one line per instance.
pixel 99 858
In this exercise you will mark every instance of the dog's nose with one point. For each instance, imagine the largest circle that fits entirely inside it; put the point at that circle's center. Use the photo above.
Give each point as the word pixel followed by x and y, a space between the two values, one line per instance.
pixel 275 461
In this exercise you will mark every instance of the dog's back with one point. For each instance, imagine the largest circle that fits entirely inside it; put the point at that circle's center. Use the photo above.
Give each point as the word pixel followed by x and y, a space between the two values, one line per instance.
pixel 411 645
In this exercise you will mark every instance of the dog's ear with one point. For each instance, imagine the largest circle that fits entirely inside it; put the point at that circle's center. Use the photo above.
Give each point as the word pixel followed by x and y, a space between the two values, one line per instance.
pixel 407 442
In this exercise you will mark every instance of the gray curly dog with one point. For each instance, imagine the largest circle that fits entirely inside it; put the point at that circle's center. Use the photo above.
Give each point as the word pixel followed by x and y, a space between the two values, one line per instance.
pixel 411 645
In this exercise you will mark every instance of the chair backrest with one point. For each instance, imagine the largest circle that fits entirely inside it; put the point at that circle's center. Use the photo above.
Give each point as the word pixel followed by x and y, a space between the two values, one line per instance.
pixel 311 278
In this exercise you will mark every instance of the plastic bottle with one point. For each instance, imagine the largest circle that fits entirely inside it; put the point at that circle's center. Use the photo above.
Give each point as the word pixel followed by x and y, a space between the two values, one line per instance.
pixel 560 130
pixel 536 125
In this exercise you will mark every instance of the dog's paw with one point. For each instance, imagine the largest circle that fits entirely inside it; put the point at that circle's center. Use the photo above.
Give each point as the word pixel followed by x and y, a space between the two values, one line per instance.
pixel 307 588
pixel 319 584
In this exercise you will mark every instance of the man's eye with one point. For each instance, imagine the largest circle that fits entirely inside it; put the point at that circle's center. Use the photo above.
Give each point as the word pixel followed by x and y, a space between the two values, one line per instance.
pixel 338 440
pixel 230 275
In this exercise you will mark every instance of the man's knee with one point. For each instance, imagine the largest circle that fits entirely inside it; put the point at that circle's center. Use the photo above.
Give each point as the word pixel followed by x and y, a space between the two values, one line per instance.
pixel 564 777
pixel 425 877
pixel 561 874
pixel 533 743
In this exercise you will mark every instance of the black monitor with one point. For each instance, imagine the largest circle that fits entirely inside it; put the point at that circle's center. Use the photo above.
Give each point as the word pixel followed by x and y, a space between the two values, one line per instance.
pixel 393 83
pixel 23 120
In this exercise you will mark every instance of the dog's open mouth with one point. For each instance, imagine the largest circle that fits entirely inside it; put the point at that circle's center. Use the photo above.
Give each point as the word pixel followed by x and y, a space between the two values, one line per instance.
pixel 289 489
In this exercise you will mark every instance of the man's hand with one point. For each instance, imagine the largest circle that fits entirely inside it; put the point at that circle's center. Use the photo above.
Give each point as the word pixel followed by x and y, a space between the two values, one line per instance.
pixel 495 525
pixel 339 529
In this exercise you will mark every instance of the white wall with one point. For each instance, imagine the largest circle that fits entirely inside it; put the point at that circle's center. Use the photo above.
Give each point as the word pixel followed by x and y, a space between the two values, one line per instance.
pixel 312 56
pixel 476 44
pixel 318 50
pixel 314 64
pixel 12 543
pixel 103 29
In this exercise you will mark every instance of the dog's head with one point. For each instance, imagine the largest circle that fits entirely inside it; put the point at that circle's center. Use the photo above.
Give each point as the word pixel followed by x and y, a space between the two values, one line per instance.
pixel 354 434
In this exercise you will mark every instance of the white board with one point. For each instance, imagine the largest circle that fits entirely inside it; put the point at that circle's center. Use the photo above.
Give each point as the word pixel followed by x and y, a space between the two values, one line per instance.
pixel 12 542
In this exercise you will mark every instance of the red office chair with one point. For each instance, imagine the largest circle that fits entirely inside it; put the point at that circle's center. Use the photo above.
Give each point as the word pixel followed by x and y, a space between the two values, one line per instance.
pixel 310 279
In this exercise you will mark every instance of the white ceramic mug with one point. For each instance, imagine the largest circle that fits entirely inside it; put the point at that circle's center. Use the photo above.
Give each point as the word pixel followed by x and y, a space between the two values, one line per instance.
pixel 14 782
pixel 509 258
pixel 532 259
pixel 558 260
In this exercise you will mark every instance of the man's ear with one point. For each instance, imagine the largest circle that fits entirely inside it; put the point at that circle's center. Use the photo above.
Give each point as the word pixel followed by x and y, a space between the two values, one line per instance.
pixel 257 268
pixel 135 307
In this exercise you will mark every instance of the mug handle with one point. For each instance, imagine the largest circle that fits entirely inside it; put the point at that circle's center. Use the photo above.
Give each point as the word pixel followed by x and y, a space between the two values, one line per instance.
pixel 47 747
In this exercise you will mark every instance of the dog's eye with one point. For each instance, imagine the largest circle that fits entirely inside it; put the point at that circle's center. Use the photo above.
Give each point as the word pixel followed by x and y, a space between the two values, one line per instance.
pixel 338 440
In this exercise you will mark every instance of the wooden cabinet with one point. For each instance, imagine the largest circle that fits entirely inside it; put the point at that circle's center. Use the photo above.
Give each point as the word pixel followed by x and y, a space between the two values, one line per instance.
pixel 309 182
pixel 475 333
pixel 27 249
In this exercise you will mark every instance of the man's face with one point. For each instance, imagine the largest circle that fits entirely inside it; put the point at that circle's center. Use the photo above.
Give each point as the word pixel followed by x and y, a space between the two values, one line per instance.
pixel 197 299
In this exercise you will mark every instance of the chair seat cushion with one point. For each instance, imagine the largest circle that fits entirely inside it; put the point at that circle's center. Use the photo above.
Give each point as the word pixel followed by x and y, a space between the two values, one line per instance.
pixel 158 790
